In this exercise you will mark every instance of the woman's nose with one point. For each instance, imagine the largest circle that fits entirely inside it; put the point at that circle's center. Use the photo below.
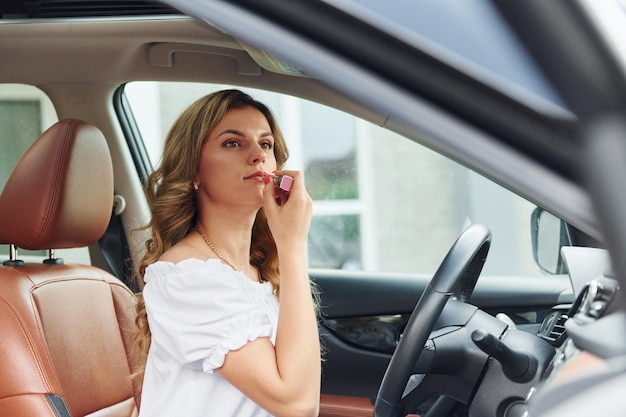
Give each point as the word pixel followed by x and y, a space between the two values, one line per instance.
pixel 257 154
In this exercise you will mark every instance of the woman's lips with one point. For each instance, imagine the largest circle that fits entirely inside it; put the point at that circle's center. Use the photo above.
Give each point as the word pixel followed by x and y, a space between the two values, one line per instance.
pixel 259 175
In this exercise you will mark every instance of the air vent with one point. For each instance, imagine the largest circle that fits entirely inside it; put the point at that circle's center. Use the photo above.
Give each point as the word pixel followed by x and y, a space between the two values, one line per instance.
pixel 553 327
pixel 41 9
pixel 558 329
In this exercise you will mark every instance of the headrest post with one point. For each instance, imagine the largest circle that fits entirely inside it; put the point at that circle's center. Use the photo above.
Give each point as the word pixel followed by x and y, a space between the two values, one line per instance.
pixel 13 261
pixel 52 260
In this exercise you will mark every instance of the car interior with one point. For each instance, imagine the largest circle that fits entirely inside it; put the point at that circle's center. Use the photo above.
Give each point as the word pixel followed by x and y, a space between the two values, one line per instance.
pixel 461 258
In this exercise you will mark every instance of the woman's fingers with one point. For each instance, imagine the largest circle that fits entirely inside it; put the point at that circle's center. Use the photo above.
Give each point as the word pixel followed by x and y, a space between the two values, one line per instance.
pixel 288 212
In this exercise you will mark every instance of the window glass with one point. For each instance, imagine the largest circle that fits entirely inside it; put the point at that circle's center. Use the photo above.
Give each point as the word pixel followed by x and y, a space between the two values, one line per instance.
pixel 381 203
pixel 335 242
pixel 472 30
pixel 328 147
pixel 25 112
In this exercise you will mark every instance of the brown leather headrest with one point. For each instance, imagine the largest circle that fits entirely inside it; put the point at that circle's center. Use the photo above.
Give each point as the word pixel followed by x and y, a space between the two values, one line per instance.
pixel 60 194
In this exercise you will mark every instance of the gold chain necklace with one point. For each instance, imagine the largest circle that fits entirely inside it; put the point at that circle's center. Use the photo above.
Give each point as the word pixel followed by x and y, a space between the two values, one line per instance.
pixel 219 255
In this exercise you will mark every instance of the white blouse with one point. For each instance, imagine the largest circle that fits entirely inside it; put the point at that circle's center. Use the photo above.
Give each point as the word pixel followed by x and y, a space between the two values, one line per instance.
pixel 198 311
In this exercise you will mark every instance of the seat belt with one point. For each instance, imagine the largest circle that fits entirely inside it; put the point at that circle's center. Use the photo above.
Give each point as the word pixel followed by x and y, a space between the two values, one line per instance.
pixel 114 245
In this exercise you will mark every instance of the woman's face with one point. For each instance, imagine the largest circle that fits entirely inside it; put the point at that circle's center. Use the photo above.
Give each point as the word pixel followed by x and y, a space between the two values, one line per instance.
pixel 235 156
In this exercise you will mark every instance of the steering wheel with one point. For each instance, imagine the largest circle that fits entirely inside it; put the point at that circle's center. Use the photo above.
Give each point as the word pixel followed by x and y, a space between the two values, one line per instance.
pixel 456 276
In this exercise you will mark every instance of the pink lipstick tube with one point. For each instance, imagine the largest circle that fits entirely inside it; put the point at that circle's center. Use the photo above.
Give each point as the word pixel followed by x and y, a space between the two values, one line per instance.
pixel 284 182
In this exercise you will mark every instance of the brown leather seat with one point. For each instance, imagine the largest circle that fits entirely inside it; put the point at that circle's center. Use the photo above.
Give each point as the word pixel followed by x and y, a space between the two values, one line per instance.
pixel 65 329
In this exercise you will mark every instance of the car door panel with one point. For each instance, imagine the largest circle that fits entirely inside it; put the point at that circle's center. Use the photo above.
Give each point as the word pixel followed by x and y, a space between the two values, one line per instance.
pixel 363 315
pixel 341 405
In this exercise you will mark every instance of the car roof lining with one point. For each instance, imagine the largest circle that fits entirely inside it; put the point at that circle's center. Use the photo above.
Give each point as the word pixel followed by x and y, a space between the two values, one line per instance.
pixel 187 51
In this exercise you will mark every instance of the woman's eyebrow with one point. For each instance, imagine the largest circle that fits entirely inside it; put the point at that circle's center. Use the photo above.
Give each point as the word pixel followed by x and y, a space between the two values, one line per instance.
pixel 238 133
pixel 230 131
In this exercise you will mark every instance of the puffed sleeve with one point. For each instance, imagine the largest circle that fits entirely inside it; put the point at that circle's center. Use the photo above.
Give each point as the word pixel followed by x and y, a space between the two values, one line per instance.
pixel 198 311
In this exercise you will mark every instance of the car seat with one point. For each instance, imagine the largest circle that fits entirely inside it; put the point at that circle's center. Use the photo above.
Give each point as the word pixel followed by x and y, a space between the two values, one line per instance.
pixel 65 329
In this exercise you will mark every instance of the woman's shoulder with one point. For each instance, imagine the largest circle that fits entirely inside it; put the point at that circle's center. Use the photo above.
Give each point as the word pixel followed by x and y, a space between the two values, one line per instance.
pixel 183 257
pixel 181 251
pixel 184 267
pixel 181 260
pixel 193 282
pixel 187 279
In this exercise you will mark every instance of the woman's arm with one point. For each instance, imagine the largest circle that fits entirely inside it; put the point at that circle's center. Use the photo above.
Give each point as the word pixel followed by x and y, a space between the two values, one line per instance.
pixel 285 379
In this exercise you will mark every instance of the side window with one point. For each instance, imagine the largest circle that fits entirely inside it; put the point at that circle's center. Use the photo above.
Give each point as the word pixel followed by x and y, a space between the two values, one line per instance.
pixel 381 201
pixel 329 161
pixel 25 112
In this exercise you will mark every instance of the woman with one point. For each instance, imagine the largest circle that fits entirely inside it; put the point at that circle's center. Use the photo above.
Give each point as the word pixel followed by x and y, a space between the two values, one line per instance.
pixel 219 345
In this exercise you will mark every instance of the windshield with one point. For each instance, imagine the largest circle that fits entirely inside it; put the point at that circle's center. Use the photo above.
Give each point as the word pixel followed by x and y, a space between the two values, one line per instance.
pixel 488 47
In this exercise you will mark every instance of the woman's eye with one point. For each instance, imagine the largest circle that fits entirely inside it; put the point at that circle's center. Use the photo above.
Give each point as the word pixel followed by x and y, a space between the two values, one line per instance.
pixel 267 145
pixel 231 144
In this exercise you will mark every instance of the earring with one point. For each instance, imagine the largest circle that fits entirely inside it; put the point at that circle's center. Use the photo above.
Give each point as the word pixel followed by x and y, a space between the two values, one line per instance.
pixel 195 186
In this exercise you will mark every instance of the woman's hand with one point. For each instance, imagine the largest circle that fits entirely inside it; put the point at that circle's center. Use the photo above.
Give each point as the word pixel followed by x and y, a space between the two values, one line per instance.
pixel 288 213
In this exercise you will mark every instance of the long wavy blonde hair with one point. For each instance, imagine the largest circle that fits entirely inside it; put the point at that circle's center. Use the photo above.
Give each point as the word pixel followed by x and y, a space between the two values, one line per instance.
pixel 171 197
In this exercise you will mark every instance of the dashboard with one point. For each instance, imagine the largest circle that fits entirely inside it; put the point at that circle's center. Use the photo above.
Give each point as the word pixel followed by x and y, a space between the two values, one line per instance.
pixel 579 331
